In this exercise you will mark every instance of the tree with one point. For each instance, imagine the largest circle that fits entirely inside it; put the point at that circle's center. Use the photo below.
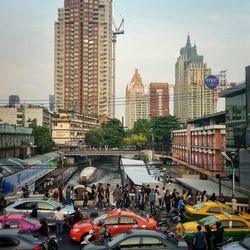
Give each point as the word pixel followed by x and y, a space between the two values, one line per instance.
pixel 139 140
pixel 161 129
pixel 113 133
pixel 110 134
pixel 42 136
pixel 94 137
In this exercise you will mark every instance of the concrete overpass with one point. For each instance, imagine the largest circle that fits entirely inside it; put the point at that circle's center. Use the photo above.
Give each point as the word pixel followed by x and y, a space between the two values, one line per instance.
pixel 83 153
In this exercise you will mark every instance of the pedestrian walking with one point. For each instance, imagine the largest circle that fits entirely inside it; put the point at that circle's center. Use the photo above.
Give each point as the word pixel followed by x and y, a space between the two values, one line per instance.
pixel 167 200
pixel 198 197
pixel 107 195
pixel 152 199
pixel 100 196
pixel 118 196
pixel 222 198
pixel 208 235
pixel 85 198
pixel 234 203
pixel 213 197
pixel 204 197
pixel 218 234
pixel 199 242
pixel 68 195
pixel 59 217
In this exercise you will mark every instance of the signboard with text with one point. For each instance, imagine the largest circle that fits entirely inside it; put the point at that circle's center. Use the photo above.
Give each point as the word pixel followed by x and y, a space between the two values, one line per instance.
pixel 212 82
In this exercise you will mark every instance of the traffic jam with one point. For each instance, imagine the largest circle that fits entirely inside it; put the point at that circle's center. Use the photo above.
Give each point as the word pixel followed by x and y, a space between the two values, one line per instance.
pixel 109 216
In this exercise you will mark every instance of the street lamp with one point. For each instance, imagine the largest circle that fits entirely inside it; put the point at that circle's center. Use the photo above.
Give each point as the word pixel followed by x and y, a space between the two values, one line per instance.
pixel 233 169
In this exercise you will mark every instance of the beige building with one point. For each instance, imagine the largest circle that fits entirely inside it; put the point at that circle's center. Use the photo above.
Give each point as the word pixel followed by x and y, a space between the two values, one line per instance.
pixel 70 130
pixel 137 102
pixel 83 57
pixel 192 99
pixel 19 115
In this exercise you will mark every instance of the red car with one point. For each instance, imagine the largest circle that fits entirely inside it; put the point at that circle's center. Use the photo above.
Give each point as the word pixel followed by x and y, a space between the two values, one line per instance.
pixel 117 221
pixel 18 221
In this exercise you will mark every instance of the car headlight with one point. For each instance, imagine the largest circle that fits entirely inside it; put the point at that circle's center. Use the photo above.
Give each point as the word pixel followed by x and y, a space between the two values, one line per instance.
pixel 76 230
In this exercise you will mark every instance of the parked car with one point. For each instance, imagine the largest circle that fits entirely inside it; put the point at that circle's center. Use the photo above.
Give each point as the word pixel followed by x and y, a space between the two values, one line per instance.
pixel 19 221
pixel 134 239
pixel 45 208
pixel 117 221
pixel 15 239
pixel 204 209
pixel 238 245
pixel 234 227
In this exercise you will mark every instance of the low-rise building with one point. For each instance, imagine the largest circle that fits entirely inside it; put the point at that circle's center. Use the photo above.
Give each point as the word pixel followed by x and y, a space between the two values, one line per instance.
pixel 70 129
pixel 20 114
pixel 16 141
pixel 198 147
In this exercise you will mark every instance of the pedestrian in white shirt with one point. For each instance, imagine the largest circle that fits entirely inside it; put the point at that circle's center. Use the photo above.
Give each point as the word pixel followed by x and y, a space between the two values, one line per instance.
pixel 59 217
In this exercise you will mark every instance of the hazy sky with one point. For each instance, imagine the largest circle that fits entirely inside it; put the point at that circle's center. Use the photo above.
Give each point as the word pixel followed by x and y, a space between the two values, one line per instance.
pixel 154 33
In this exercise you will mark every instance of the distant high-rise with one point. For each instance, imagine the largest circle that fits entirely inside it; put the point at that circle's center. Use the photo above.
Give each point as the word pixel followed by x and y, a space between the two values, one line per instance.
pixel 14 100
pixel 192 99
pixel 51 103
pixel 137 102
pixel 159 99
pixel 83 57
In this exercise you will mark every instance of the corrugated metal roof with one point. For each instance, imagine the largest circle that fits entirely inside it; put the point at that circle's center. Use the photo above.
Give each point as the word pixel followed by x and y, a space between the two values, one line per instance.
pixel 137 172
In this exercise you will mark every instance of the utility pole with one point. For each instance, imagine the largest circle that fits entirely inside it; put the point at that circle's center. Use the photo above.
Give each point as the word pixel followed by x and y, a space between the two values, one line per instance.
pixel 116 31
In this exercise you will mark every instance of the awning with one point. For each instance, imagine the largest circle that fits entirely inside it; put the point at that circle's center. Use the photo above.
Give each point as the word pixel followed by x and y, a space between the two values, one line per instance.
pixel 137 172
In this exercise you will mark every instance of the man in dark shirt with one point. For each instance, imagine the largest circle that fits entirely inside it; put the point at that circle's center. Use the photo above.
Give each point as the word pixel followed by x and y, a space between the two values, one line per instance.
pixel 218 234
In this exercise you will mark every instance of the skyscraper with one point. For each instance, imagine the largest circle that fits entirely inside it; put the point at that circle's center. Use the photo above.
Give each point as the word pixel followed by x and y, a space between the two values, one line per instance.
pixel 159 99
pixel 83 54
pixel 192 99
pixel 137 102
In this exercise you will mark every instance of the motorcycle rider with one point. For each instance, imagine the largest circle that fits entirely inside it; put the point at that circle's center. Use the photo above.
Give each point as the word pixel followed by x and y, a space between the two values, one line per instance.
pixel 104 233
pixel 43 230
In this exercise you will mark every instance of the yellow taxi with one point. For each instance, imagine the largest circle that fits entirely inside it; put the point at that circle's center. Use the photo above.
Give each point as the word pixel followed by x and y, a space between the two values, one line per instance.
pixel 234 226
pixel 204 209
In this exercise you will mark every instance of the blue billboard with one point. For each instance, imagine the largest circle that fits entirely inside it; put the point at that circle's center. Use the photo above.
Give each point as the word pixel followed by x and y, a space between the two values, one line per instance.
pixel 212 82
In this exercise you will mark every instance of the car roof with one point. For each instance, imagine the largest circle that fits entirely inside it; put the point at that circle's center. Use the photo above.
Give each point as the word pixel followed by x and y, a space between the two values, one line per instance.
pixel 228 217
pixel 215 203
pixel 12 216
pixel 121 212
pixel 144 232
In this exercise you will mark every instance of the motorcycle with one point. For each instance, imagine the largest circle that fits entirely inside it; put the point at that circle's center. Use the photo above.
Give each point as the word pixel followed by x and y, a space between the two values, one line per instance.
pixel 218 246
pixel 51 242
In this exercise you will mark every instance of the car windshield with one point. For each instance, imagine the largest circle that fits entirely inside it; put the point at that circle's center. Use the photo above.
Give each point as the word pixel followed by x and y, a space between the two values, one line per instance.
pixel 198 206
pixel 246 243
pixel 31 220
pixel 208 220
pixel 101 217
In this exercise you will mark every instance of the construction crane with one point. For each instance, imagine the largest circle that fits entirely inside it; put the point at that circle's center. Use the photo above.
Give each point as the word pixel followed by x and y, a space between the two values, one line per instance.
pixel 115 31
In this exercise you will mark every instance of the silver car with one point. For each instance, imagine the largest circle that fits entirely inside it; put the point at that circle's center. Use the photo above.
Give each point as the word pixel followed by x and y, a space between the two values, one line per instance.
pixel 45 208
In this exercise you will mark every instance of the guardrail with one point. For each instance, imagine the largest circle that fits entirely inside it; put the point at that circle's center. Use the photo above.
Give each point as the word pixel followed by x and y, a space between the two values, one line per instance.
pixel 240 207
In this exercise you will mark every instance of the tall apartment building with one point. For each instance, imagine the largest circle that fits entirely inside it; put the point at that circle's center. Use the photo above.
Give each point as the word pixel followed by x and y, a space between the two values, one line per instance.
pixel 137 102
pixel 192 99
pixel 159 99
pixel 83 57
pixel 59 61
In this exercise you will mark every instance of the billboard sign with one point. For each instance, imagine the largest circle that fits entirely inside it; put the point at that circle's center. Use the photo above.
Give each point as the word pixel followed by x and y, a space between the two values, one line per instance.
pixel 212 82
